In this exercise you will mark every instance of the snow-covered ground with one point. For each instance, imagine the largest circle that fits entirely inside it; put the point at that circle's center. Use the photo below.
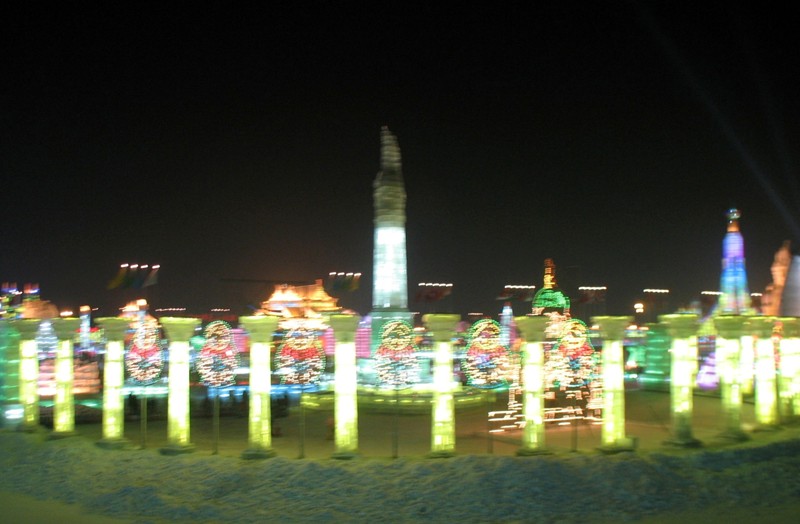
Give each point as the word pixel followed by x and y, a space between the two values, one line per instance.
pixel 756 481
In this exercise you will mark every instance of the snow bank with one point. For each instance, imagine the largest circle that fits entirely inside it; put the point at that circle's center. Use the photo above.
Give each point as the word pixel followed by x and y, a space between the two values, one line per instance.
pixel 582 488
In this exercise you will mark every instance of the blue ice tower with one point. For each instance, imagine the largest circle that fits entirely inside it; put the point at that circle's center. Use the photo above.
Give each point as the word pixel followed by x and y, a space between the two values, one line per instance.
pixel 735 297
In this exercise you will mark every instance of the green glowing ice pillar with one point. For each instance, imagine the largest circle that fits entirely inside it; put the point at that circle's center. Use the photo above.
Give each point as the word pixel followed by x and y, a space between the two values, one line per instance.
pixel 613 437
pixel 261 330
pixel 64 403
pixel 443 423
pixel 113 379
pixel 747 363
pixel 683 330
pixel 179 331
pixel 728 347
pixel 28 373
pixel 789 370
pixel 11 412
pixel 532 329
pixel 345 382
pixel 766 383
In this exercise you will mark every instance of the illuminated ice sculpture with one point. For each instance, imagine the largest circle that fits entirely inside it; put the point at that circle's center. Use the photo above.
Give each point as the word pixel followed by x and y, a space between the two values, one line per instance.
pixel 443 419
pixel 683 330
pixel 28 373
pixel 766 392
pixel 114 329
pixel 789 376
pixel 735 297
pixel 390 277
pixel 261 330
pixel 345 384
pixel 613 436
pixel 728 349
pixel 179 330
pixel 533 434
pixel 64 402
pixel 10 408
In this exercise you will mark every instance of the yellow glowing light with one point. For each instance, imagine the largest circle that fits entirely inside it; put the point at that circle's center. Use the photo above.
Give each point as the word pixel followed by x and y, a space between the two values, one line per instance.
pixel 64 404
pixel 345 384
pixel 113 373
pixel 613 427
pixel 179 330
pixel 443 430
pixel 178 403
pixel 443 434
pixel 261 331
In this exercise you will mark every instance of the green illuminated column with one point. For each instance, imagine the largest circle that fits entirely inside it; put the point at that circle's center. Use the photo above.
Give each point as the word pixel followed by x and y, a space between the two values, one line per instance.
pixel 766 387
pixel 789 375
pixel 532 329
pixel 346 400
pixel 113 379
pixel 729 328
pixel 179 331
pixel 64 404
pixel 9 376
pixel 28 373
pixel 613 433
pixel 261 330
pixel 683 330
pixel 747 363
pixel 443 423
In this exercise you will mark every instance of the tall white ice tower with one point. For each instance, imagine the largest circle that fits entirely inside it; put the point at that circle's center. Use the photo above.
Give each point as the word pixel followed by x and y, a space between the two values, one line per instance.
pixel 390 276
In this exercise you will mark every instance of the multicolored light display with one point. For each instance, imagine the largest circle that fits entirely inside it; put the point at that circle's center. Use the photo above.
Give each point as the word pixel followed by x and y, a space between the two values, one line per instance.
pixel 218 359
pixel 144 361
pixel 572 372
pixel 396 358
pixel 300 358
pixel 486 362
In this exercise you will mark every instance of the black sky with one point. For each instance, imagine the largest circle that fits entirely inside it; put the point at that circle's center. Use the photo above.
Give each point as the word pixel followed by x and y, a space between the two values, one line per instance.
pixel 227 143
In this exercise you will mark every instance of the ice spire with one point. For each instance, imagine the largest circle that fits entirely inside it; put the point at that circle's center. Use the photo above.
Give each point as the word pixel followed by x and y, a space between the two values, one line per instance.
pixel 390 154
pixel 735 297
pixel 390 275
pixel 389 192
pixel 390 289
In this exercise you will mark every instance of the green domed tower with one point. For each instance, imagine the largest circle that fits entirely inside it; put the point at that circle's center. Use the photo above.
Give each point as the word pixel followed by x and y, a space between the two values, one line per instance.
pixel 550 299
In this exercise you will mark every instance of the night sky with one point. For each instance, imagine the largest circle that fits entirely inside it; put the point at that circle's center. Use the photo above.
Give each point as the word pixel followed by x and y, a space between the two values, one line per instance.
pixel 232 144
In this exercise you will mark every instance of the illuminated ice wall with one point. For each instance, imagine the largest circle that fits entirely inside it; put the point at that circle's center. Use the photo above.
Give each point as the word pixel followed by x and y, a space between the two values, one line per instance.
pixel 790 302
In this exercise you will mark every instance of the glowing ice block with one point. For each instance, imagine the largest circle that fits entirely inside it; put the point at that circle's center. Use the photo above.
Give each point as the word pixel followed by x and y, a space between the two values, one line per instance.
pixel 533 434
pixel 443 423
pixel 345 386
pixel 613 436
pixel 730 329
pixel 179 331
pixel 766 393
pixel 683 330
pixel 28 372
pixel 261 330
pixel 114 329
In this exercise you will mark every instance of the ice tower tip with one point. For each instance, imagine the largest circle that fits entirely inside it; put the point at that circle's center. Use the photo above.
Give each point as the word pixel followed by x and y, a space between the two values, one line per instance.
pixel 733 215
pixel 390 154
